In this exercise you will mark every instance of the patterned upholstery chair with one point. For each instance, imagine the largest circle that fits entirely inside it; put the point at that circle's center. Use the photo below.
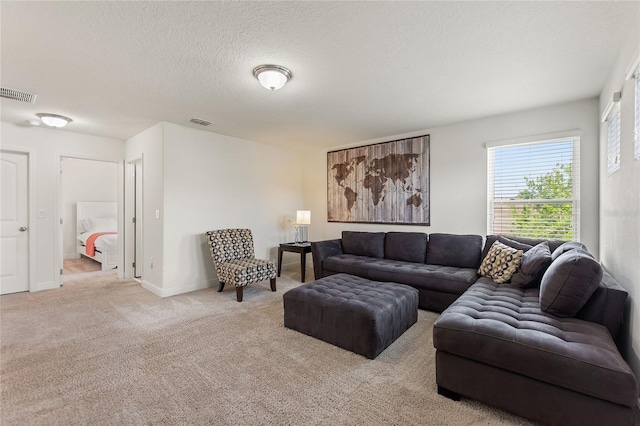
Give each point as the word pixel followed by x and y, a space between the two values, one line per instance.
pixel 234 256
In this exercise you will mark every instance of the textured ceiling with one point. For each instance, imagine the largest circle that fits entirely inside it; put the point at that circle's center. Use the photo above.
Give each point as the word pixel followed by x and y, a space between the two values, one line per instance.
pixel 361 70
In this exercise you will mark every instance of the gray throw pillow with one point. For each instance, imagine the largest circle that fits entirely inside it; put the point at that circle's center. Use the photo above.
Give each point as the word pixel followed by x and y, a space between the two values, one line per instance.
pixel 363 243
pixel 569 283
pixel 504 240
pixel 535 262
pixel 566 247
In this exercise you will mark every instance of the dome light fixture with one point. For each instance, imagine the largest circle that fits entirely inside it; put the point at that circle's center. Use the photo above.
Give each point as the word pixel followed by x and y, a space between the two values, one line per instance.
pixel 54 120
pixel 272 77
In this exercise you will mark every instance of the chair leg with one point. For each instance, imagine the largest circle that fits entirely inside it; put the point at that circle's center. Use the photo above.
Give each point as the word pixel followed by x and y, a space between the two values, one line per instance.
pixel 273 284
pixel 220 287
pixel 239 293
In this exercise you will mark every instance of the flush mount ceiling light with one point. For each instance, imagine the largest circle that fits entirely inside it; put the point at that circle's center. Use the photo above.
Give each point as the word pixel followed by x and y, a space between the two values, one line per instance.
pixel 54 120
pixel 272 77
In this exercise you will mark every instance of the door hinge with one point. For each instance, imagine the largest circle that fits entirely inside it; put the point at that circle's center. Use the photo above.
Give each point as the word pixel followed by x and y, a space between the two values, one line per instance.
pixel 60 221
pixel 133 220
pixel 60 271
pixel 133 265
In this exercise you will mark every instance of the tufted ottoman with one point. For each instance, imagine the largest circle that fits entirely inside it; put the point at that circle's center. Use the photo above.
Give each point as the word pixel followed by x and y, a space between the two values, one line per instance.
pixel 353 313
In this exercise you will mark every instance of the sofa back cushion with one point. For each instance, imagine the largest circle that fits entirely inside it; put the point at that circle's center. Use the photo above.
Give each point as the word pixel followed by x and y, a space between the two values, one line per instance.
pixel 563 248
pixel 462 251
pixel 363 243
pixel 569 283
pixel 406 246
pixel 504 240
pixel 534 264
pixel 553 244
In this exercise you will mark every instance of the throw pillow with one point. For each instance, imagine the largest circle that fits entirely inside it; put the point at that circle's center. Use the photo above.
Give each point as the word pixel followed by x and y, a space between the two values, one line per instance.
pixel 534 264
pixel 500 263
pixel 563 248
pixel 569 283
pixel 506 241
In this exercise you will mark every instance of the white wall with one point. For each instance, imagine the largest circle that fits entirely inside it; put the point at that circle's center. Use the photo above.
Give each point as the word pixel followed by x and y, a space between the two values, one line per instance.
pixel 46 146
pixel 84 180
pixel 201 181
pixel 148 146
pixel 459 171
pixel 214 181
pixel 620 203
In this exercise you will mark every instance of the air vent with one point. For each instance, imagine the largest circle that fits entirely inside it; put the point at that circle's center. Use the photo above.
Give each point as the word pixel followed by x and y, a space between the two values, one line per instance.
pixel 18 95
pixel 200 121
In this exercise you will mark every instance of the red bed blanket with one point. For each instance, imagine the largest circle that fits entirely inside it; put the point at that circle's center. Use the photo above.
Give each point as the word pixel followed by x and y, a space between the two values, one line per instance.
pixel 91 242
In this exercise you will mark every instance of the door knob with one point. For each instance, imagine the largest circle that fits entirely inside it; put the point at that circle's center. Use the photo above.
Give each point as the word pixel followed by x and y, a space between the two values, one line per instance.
pixel 22 228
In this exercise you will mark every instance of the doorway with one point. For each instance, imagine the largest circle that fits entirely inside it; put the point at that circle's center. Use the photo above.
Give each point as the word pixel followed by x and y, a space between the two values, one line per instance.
pixel 14 216
pixel 89 192
pixel 134 219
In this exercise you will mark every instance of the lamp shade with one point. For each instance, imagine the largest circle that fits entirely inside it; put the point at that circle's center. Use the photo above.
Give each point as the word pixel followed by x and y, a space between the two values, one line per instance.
pixel 272 77
pixel 303 217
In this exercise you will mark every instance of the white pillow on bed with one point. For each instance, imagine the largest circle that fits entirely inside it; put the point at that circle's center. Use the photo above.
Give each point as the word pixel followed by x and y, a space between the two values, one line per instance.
pixel 100 224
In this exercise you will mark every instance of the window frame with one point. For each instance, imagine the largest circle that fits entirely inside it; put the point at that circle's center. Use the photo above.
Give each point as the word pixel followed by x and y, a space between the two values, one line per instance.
pixel 575 137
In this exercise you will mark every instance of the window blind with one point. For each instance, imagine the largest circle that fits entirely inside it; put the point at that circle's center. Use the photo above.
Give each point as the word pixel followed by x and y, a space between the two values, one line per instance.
pixel 533 189
pixel 613 139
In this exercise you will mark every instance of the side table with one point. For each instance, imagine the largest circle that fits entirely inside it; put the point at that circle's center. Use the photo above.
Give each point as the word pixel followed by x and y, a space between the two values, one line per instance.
pixel 302 248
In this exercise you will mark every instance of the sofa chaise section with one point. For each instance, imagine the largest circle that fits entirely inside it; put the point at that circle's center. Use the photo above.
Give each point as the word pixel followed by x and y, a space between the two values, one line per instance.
pixel 495 344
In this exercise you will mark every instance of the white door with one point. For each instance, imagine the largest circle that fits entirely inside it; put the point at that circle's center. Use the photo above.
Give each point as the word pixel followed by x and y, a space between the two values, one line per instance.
pixel 14 217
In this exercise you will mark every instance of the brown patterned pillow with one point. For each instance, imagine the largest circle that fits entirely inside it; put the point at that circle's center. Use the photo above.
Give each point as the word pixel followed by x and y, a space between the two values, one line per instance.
pixel 500 263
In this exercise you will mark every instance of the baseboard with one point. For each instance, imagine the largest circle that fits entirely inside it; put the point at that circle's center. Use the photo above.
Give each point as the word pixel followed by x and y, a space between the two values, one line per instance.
pixel 178 289
pixel 152 288
pixel 48 285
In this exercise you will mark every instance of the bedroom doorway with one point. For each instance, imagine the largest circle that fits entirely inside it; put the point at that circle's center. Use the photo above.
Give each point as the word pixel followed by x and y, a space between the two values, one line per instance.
pixel 88 207
pixel 134 220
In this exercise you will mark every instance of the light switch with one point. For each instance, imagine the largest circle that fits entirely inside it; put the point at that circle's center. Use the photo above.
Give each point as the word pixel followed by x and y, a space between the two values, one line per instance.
pixel 157 214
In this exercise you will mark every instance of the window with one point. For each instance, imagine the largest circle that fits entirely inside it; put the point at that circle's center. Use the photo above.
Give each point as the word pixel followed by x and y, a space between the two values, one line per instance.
pixel 533 189
pixel 613 139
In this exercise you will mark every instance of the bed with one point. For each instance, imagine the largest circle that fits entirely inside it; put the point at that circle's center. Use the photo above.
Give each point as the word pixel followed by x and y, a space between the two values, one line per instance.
pixel 97 226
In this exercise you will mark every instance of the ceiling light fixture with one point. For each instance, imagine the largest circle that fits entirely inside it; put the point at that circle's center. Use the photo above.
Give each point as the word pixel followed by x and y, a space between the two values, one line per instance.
pixel 54 120
pixel 272 77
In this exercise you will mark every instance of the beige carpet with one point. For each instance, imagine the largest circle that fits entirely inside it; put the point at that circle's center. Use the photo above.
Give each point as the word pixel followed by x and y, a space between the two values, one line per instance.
pixel 104 351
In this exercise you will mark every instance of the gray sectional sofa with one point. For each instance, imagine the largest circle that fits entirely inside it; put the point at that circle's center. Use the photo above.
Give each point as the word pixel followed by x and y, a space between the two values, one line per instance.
pixel 542 347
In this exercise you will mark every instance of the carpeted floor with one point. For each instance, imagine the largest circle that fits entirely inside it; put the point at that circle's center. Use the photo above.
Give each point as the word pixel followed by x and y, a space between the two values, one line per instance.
pixel 104 351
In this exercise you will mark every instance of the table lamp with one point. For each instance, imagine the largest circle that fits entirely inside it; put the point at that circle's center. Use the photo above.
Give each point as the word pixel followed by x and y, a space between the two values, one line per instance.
pixel 303 218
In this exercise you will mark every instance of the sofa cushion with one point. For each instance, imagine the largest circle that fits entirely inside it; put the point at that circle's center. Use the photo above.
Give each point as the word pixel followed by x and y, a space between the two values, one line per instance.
pixel 534 264
pixel 500 263
pixel 406 246
pixel 462 251
pixel 447 279
pixel 565 247
pixel 504 240
pixel 503 326
pixel 363 243
pixel 553 244
pixel 569 283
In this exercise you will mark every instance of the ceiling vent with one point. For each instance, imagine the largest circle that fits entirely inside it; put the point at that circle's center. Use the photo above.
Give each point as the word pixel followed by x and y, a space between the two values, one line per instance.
pixel 200 121
pixel 18 95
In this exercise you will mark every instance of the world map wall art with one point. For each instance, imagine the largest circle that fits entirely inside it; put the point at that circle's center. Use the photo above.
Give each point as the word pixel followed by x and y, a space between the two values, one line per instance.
pixel 381 183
